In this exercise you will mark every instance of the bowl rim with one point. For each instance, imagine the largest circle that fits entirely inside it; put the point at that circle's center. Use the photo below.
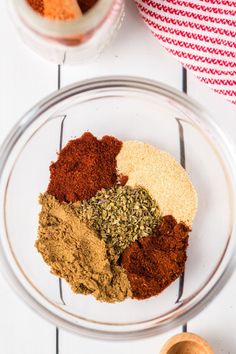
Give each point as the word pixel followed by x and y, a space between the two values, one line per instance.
pixel 222 274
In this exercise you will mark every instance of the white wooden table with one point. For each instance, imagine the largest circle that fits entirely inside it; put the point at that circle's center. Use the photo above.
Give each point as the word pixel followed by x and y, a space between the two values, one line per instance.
pixel 24 79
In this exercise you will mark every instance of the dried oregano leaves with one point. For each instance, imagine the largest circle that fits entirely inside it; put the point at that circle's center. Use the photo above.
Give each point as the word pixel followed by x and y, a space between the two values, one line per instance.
pixel 120 215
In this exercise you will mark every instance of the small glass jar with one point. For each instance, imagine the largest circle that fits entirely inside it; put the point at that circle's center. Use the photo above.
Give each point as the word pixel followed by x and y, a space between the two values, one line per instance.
pixel 70 41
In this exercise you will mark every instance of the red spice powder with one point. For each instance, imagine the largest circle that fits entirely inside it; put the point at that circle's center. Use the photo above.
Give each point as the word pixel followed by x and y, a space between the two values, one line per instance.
pixel 84 166
pixel 37 5
pixel 57 13
pixel 154 262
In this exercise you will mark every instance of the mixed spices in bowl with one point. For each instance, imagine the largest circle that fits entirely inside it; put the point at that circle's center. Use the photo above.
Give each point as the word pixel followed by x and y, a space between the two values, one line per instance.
pixel 115 218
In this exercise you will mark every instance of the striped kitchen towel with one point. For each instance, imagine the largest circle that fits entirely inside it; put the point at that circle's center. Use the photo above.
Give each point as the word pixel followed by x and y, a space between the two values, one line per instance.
pixel 201 34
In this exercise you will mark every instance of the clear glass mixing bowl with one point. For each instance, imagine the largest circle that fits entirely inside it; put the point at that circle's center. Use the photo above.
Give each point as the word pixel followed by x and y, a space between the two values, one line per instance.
pixel 128 108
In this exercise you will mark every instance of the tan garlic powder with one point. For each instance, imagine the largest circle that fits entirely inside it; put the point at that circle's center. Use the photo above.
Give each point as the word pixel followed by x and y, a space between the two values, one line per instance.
pixel 163 177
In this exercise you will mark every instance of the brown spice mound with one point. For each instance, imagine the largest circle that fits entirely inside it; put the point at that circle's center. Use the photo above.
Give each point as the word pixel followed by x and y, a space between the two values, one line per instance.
pixel 154 262
pixel 84 166
pixel 75 253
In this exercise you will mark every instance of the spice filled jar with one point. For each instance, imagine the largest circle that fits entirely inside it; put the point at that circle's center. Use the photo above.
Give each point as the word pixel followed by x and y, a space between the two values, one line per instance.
pixel 67 39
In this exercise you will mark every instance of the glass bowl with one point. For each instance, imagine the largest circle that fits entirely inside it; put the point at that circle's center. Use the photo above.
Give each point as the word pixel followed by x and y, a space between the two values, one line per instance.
pixel 128 108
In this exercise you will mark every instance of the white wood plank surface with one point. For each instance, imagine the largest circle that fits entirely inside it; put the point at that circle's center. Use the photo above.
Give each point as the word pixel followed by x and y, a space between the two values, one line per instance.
pixel 26 78
pixel 217 322
pixel 133 52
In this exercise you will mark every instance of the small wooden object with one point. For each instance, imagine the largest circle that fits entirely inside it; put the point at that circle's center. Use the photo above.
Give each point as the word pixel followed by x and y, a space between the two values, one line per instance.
pixel 62 9
pixel 186 343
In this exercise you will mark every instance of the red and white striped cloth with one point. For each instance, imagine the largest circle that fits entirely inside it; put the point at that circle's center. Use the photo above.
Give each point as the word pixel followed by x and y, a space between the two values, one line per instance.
pixel 201 34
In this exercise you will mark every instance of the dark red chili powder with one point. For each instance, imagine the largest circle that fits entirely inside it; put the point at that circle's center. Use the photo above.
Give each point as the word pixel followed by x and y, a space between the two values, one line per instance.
pixel 84 166
pixel 154 262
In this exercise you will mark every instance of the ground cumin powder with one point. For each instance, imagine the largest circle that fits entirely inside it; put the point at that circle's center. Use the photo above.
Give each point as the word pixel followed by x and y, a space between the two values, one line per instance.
pixel 75 253
pixel 162 176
